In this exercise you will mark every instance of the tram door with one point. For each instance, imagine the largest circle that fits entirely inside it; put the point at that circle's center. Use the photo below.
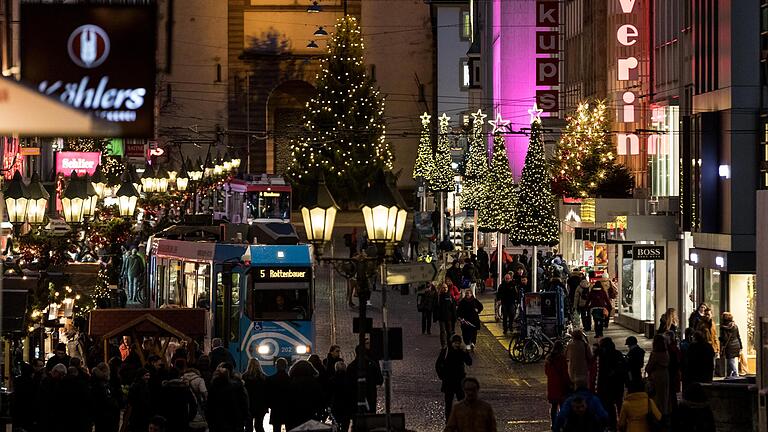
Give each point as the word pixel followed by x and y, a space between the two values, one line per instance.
pixel 228 307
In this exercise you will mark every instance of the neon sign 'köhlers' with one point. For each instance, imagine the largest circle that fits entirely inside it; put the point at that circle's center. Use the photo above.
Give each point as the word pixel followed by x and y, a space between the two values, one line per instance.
pixel 627 35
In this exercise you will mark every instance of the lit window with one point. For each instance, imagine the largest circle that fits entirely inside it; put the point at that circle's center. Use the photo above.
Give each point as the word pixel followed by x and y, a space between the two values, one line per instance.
pixel 465 76
pixel 466 25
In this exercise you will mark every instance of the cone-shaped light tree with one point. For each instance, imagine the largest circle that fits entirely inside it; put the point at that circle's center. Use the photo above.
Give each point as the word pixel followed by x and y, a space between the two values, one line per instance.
pixel 344 128
pixel 441 176
pixel 498 202
pixel 477 165
pixel 536 223
pixel 424 156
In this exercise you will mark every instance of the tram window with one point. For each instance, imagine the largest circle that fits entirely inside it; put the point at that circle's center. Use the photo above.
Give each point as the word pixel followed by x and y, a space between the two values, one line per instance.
pixel 174 288
pixel 160 280
pixel 234 316
pixel 280 305
pixel 269 205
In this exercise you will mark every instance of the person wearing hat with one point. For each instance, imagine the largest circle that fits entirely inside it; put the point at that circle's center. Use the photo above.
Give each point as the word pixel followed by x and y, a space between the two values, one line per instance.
pixel 635 361
pixel 60 357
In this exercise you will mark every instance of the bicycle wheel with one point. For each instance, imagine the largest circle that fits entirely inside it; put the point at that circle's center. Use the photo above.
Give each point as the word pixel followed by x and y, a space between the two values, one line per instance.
pixel 532 351
pixel 516 350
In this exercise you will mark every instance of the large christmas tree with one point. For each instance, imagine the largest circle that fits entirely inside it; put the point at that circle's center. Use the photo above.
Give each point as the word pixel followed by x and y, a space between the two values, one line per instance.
pixel 344 128
pixel 535 220
pixel 498 203
pixel 476 168
pixel 424 157
pixel 441 177
pixel 584 157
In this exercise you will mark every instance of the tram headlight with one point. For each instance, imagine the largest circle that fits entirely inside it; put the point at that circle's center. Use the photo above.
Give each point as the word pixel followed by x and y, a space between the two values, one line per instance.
pixel 264 350
pixel 302 349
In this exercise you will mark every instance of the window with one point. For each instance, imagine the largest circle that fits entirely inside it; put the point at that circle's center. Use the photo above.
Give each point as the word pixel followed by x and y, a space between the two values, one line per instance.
pixel 466 25
pixel 280 304
pixel 465 74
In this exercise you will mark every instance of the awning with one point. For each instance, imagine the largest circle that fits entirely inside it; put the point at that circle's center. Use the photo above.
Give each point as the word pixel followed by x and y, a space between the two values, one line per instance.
pixel 24 111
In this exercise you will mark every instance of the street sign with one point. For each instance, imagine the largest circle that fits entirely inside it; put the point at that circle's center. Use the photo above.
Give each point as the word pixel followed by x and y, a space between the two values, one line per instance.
pixel 409 273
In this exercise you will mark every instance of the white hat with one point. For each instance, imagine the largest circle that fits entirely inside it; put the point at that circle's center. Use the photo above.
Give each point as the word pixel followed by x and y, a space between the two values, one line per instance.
pixel 605 276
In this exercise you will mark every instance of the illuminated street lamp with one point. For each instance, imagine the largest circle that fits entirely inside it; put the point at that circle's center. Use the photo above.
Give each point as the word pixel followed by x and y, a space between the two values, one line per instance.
pixel 208 170
pixel 99 182
pixel 236 163
pixel 384 212
pixel 195 170
pixel 74 199
pixel 127 197
pixel 161 180
pixel 16 199
pixel 319 215
pixel 148 179
pixel 218 167
pixel 89 209
pixel 182 179
pixel 38 200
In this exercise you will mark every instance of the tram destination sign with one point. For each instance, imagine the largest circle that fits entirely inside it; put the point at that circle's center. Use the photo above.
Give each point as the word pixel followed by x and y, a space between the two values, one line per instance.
pixel 282 274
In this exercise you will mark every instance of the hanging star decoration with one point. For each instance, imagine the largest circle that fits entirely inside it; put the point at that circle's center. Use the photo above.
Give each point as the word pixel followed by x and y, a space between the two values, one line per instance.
pixel 444 120
pixel 535 113
pixel 425 118
pixel 479 116
pixel 499 125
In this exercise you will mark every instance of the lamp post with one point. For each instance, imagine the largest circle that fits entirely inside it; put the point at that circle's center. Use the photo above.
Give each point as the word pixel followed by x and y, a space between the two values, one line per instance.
pixel 127 197
pixel 319 216
pixel 148 179
pixel 16 199
pixel 74 199
pixel 38 200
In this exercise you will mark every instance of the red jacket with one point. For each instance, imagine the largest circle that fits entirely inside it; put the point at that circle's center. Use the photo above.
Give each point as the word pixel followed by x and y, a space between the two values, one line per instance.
pixel 455 292
pixel 598 298
pixel 558 382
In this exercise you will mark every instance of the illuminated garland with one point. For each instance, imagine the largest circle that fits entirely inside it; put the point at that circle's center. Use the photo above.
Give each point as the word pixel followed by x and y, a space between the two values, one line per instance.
pixel 424 156
pixel 477 165
pixel 441 177
pixel 344 127
pixel 498 204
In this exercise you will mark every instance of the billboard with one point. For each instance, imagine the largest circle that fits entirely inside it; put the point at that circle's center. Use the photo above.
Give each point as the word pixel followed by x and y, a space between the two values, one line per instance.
pixel 80 162
pixel 97 58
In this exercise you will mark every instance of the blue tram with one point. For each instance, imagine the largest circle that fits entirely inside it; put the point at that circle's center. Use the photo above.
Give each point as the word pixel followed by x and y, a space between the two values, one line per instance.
pixel 259 298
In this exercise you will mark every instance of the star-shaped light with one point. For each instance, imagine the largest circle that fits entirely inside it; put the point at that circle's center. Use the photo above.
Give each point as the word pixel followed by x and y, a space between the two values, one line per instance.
pixel 479 117
pixel 535 113
pixel 443 120
pixel 499 124
pixel 425 119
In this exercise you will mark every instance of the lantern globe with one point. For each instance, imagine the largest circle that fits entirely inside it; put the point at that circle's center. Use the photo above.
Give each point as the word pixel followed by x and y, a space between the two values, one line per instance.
pixel 127 197
pixel 16 197
pixel 384 211
pixel 319 214
pixel 74 199
pixel 38 200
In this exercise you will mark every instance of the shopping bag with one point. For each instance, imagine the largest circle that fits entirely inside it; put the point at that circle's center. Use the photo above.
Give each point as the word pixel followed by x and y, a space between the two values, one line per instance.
pixel 743 365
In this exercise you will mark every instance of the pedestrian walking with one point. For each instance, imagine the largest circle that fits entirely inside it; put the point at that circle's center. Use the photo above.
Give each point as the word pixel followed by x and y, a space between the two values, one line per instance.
pixel 635 360
pixel 445 314
pixel 483 263
pixel 342 402
pixel 699 361
pixel 579 357
pixel 279 394
pixel 694 413
pixel 219 354
pixel 104 406
pixel 471 414
pixel 581 412
pixel 558 382
pixel 373 377
pixel 611 377
pixel 468 312
pixel 227 407
pixel 177 403
pixel 581 299
pixel 637 410
pixel 139 409
pixel 668 321
pixel 195 381
pixel 572 284
pixel 256 386
pixel 508 295
pixel 333 357
pixel 426 304
pixel 599 306
pixel 730 343
pixel 306 394
pixel 23 407
pixel 449 366
pixel 658 374
pixel 453 289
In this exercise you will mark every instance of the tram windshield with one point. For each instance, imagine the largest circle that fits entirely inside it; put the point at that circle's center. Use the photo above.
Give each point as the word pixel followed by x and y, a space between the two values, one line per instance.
pixel 269 205
pixel 289 303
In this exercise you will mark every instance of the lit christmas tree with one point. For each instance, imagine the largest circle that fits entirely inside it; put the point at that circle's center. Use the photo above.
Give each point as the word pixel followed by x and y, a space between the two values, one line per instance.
pixel 476 168
pixel 584 155
pixel 424 157
pixel 498 204
pixel 344 130
pixel 535 220
pixel 441 176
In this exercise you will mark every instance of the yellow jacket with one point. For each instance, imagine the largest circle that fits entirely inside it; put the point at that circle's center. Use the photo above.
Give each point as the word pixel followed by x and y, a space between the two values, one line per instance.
pixel 634 410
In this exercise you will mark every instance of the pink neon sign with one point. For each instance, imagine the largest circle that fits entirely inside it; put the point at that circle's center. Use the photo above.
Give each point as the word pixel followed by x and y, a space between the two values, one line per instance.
pixel 80 162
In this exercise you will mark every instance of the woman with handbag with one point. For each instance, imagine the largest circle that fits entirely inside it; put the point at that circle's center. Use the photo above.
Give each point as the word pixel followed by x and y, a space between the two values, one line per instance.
pixel 639 412
pixel 657 370
pixel 730 344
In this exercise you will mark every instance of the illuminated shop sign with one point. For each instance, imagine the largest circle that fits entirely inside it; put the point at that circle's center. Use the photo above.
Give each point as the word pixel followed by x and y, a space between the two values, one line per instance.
pixel 79 162
pixel 99 59
pixel 627 36
pixel 12 157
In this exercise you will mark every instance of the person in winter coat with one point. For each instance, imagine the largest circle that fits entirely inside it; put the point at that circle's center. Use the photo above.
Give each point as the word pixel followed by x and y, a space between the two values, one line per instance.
pixel 468 313
pixel 256 386
pixel 426 306
pixel 581 297
pixel 558 382
pixel 695 317
pixel 279 397
pixel 635 361
pixel 445 314
pixel 373 377
pixel 730 344
pixel 138 411
pixel 453 289
pixel 450 369
pixel 342 403
pixel 23 398
pixel 658 374
pixel 611 376
pixel 572 283
pixel 699 361
pixel 635 410
pixel 227 408
pixel 454 273
pixel 177 403
pixel 599 306
pixel 675 366
pixel 694 413
pixel 196 383
pixel 333 357
pixel 220 354
pixel 105 408
pixel 306 394
pixel 668 322
pixel 579 356
pixel 471 414
pixel 509 297
pixel 707 327
pixel 581 412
